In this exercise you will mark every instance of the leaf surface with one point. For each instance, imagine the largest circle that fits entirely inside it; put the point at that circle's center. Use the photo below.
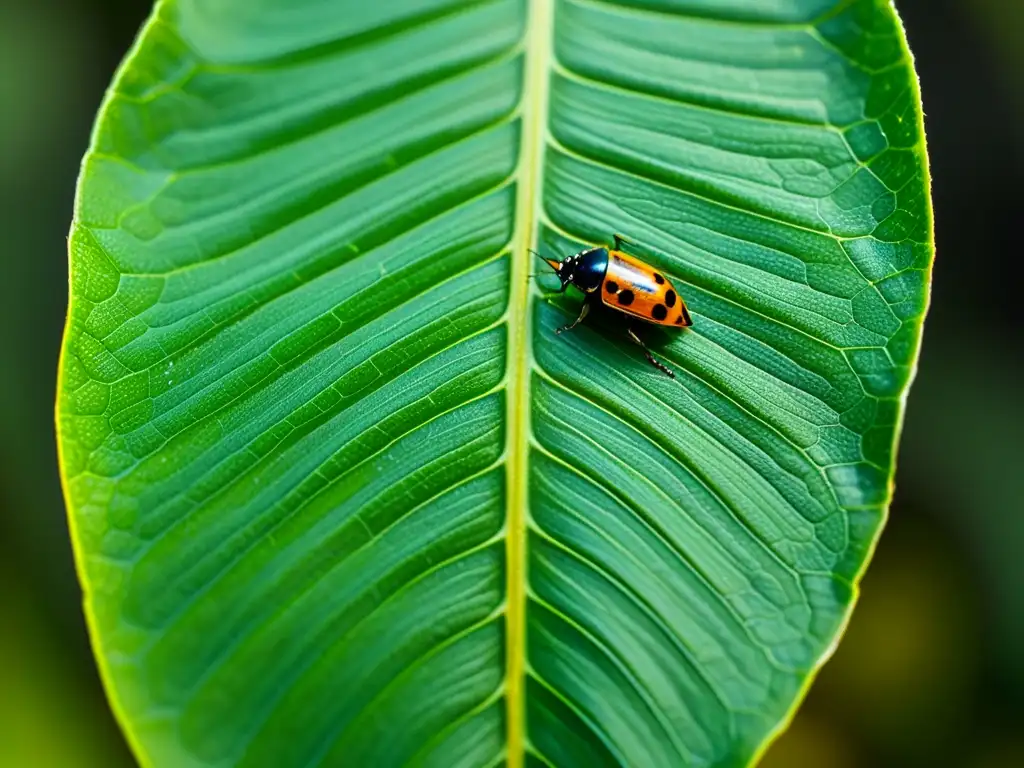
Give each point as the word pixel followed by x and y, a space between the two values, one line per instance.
pixel 338 493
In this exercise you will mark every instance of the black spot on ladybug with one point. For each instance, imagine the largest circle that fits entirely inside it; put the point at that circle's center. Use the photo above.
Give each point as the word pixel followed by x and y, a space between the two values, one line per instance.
pixel 611 286
pixel 626 298
pixel 679 320
pixel 670 298
pixel 658 279
pixel 659 312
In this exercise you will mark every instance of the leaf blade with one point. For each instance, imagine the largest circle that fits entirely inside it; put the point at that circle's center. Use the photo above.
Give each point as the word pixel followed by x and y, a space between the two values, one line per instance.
pixel 287 370
pixel 712 141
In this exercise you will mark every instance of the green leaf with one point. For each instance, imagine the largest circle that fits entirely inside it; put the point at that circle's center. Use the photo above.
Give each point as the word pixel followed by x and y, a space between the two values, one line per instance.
pixel 339 494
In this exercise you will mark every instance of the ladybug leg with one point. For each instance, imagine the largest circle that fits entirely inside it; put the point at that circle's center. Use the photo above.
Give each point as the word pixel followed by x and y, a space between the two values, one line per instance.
pixel 647 353
pixel 583 313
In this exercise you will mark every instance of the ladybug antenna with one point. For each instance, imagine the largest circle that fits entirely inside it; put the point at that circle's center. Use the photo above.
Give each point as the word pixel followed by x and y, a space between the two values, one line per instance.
pixel 550 262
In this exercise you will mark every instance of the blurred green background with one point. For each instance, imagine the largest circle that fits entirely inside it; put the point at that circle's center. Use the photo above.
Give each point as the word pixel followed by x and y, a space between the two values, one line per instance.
pixel 932 668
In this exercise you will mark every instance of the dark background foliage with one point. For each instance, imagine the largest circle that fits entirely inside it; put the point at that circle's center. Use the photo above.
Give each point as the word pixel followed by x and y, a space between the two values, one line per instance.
pixel 932 668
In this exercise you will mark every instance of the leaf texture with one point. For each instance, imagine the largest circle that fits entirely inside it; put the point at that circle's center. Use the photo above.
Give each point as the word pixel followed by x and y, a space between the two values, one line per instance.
pixel 339 495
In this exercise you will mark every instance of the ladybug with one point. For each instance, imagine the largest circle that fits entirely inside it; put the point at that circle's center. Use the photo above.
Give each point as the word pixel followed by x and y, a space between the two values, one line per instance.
pixel 623 283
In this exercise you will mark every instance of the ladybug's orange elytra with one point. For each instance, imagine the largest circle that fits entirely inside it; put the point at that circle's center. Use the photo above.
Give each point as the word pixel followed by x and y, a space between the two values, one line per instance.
pixel 636 288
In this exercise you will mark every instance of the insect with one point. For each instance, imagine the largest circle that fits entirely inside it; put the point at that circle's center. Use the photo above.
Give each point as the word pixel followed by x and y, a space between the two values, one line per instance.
pixel 623 283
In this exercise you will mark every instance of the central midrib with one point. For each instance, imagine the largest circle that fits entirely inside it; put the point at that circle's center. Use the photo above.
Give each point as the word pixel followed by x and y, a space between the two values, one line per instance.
pixel 538 42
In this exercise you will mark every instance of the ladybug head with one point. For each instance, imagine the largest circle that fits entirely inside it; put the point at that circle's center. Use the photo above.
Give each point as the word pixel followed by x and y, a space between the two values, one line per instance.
pixel 564 268
pixel 585 269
